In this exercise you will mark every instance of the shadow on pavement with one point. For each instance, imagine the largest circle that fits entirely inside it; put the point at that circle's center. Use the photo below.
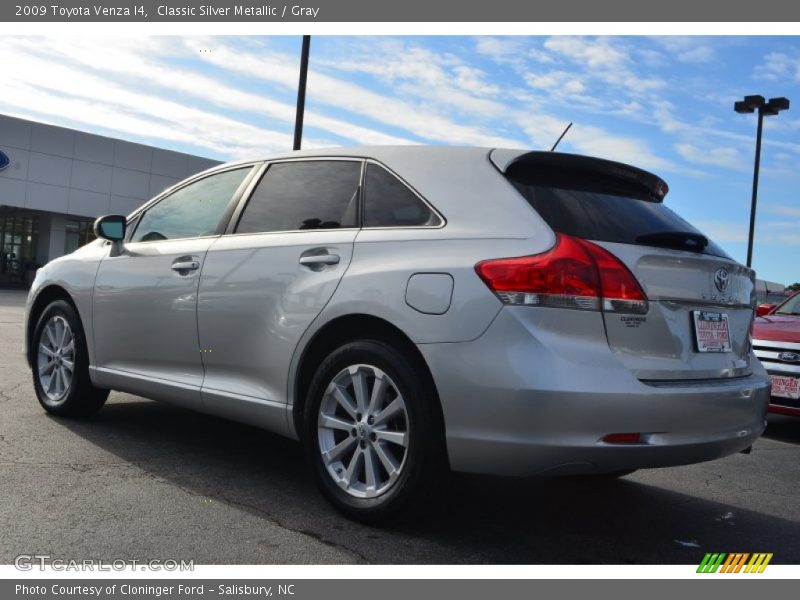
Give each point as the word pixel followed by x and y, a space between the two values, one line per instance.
pixel 487 519
pixel 783 428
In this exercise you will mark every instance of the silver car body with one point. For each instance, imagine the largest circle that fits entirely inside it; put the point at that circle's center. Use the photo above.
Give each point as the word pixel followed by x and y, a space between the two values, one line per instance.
pixel 523 390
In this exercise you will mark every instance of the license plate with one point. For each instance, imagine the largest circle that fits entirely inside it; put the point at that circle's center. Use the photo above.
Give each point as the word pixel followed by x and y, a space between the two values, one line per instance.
pixel 711 331
pixel 785 387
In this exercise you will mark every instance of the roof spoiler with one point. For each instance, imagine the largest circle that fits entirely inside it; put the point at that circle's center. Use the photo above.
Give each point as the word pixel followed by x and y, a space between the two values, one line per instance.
pixel 559 163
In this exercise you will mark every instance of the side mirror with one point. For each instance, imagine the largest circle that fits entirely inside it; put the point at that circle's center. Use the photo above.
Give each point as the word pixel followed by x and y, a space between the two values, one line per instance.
pixel 110 227
pixel 765 309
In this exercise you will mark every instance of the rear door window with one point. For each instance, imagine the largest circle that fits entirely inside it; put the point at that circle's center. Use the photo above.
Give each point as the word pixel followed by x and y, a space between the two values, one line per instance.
pixel 300 195
pixel 388 202
pixel 605 210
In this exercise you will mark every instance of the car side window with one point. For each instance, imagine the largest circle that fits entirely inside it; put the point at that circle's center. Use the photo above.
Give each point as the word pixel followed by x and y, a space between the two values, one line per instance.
pixel 192 211
pixel 298 195
pixel 388 202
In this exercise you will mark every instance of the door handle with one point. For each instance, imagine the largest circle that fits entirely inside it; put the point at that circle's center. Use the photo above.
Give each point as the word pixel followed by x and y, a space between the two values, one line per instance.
pixel 320 259
pixel 189 265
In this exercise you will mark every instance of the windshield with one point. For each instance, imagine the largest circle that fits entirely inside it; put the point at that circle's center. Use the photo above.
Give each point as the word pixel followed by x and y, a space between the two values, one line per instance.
pixel 790 307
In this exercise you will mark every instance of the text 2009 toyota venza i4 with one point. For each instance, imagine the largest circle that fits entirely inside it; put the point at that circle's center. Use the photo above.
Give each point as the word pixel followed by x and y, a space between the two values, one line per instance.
pixel 414 310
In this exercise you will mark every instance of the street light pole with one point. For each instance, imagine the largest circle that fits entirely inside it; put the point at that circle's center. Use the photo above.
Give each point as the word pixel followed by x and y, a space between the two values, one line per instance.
pixel 751 104
pixel 754 199
pixel 301 93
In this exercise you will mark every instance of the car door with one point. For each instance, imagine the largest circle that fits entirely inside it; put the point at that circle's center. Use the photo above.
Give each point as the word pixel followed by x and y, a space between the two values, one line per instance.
pixel 264 284
pixel 145 297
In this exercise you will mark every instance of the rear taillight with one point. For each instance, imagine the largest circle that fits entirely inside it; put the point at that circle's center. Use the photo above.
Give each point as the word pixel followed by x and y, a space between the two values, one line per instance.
pixel 573 274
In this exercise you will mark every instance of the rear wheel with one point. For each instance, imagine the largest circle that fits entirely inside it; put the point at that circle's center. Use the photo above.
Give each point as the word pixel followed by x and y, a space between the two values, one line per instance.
pixel 61 364
pixel 372 436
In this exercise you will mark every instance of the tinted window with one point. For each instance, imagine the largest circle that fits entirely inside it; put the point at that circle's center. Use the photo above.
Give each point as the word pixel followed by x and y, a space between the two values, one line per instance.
pixel 611 213
pixel 192 211
pixel 304 195
pixel 389 203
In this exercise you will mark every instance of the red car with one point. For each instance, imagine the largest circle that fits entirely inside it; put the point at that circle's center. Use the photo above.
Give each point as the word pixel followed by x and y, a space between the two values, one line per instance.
pixel 776 342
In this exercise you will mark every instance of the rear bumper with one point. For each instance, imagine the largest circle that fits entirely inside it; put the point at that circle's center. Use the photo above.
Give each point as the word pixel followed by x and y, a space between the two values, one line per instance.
pixel 537 398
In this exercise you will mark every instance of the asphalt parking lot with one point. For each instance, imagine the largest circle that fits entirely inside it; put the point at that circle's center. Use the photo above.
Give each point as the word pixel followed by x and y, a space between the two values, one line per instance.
pixel 142 480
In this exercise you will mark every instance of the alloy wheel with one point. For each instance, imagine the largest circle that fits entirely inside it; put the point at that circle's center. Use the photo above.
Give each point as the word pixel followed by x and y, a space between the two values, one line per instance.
pixel 56 359
pixel 363 431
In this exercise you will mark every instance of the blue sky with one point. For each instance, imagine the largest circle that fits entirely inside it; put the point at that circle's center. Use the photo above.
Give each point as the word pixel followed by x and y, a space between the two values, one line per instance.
pixel 661 103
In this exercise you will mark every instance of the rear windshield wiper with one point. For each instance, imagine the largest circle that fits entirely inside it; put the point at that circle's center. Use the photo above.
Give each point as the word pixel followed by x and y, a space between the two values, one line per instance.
pixel 681 240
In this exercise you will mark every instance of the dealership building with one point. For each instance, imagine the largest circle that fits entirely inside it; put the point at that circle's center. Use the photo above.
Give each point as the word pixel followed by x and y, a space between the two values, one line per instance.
pixel 55 181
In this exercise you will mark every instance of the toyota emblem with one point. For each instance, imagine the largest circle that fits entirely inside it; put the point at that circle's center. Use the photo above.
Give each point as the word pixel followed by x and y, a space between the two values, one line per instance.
pixel 722 280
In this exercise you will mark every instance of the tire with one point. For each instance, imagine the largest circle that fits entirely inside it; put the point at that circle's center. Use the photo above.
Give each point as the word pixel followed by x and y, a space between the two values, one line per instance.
pixel 58 341
pixel 343 436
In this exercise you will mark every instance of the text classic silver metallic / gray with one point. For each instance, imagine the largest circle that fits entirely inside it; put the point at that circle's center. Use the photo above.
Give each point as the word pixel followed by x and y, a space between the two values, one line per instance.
pixel 408 311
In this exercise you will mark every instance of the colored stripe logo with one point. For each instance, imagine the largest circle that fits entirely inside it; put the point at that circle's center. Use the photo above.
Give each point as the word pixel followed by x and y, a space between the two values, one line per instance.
pixel 737 562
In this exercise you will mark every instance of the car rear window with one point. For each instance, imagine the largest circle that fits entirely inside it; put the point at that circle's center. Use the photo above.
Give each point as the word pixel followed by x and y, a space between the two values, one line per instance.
pixel 599 208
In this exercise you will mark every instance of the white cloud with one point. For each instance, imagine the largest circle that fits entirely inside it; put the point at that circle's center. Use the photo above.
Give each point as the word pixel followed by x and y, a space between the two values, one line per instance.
pixel 778 66
pixel 779 233
pixel 593 53
pixel 768 233
pixel 594 141
pixel 783 209
pixel 474 80
pixel 101 91
pixel 688 49
pixel 511 50
pixel 601 67
pixel 441 77
pixel 76 95
pixel 420 119
pixel 558 82
pixel 131 87
pixel 540 56
pixel 716 156
pixel 597 142
pixel 498 48
pixel 723 231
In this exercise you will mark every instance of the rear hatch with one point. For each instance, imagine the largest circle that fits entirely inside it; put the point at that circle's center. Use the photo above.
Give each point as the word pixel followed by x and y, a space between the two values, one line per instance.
pixel 699 301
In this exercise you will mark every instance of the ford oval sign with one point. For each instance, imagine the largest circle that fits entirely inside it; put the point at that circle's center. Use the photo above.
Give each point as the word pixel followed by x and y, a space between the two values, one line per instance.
pixel 790 357
pixel 4 160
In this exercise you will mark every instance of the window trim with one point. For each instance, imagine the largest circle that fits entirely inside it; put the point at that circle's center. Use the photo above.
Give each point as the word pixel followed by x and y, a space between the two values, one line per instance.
pixel 230 230
pixel 135 218
pixel 431 207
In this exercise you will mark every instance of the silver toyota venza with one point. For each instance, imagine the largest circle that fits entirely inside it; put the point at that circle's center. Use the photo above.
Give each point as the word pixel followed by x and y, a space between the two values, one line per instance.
pixel 408 311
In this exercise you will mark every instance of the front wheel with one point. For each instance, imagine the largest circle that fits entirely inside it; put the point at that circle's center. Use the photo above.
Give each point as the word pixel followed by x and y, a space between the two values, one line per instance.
pixel 372 433
pixel 61 364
